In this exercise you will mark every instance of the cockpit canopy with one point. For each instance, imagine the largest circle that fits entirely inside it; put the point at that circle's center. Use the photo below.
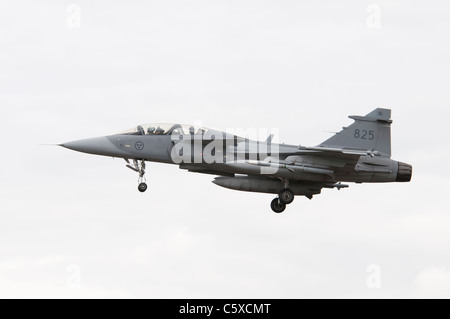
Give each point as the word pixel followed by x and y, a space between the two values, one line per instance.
pixel 165 129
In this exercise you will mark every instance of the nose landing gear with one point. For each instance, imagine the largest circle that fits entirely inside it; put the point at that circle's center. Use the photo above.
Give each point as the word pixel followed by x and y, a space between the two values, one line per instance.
pixel 142 187
pixel 139 167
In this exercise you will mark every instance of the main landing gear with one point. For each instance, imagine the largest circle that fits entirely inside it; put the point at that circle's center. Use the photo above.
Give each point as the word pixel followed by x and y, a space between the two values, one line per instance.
pixel 277 206
pixel 279 203
pixel 139 167
pixel 285 197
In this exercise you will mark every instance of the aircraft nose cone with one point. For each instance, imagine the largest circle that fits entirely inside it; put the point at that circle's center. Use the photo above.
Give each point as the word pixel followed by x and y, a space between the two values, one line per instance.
pixel 97 145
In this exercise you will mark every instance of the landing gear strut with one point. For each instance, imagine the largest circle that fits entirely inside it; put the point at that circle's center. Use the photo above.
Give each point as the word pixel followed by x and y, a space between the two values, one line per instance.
pixel 139 167
pixel 142 187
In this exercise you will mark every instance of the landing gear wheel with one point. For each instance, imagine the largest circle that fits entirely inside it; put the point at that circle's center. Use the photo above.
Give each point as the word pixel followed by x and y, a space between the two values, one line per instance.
pixel 142 187
pixel 287 196
pixel 277 206
pixel 139 167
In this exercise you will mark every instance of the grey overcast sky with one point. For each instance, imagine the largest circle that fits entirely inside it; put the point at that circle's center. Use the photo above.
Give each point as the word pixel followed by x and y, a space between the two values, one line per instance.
pixel 74 225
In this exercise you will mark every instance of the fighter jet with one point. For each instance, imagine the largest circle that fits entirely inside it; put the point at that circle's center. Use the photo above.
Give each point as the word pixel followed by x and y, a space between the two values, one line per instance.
pixel 359 153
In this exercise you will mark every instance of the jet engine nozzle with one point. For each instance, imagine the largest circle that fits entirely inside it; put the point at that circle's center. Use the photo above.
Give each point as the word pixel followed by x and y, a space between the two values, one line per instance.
pixel 404 173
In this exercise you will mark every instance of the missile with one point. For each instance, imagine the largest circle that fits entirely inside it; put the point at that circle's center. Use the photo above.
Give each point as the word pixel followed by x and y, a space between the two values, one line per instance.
pixel 252 166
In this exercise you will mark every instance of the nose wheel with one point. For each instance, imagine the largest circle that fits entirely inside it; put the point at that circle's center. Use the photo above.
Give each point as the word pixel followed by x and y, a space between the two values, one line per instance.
pixel 142 187
pixel 139 167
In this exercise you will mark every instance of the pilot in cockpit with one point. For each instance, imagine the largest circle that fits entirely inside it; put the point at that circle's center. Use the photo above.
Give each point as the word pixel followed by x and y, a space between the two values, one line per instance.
pixel 151 130
pixel 159 131
pixel 140 130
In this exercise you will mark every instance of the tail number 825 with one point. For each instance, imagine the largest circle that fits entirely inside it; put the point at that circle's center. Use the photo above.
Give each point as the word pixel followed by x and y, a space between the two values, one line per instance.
pixel 364 135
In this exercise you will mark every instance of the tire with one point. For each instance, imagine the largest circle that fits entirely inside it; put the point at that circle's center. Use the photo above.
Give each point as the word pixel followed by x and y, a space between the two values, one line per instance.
pixel 142 187
pixel 287 196
pixel 277 206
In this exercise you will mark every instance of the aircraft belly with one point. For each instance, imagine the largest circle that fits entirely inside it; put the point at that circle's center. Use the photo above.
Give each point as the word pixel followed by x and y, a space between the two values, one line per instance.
pixel 264 185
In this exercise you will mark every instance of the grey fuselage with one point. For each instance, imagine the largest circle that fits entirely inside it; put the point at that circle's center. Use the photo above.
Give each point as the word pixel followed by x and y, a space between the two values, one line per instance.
pixel 359 153
pixel 243 156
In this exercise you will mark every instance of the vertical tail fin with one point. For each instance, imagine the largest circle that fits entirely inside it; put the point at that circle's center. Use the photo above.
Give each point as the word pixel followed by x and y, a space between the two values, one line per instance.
pixel 371 132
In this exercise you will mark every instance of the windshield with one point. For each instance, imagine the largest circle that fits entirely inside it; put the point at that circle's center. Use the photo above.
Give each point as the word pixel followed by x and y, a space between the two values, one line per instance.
pixel 165 129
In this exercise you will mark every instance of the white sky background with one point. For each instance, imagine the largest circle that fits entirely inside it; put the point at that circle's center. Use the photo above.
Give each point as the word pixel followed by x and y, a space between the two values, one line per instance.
pixel 74 225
